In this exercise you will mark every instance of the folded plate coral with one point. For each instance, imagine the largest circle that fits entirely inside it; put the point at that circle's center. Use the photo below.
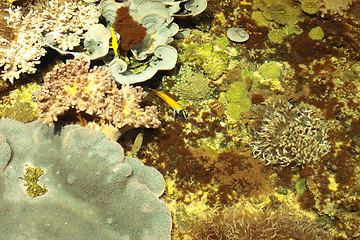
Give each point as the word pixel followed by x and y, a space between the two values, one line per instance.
pixel 92 190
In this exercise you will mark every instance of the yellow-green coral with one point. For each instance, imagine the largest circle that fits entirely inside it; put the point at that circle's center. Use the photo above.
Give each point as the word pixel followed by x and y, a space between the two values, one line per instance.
pixel 270 69
pixel 310 6
pixel 191 85
pixel 31 177
pixel 316 34
pixel 210 56
pixel 277 12
pixel 236 99
pixel 19 104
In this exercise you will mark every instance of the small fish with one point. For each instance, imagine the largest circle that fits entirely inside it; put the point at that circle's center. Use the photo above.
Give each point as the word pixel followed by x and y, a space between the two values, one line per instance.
pixel 114 42
pixel 137 143
pixel 172 103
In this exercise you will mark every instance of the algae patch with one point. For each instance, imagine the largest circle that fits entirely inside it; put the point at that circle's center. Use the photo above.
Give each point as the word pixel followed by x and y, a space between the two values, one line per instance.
pixel 31 176
pixel 236 99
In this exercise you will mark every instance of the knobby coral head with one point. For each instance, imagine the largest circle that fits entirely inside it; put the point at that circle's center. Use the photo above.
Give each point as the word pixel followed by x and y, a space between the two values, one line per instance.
pixel 73 85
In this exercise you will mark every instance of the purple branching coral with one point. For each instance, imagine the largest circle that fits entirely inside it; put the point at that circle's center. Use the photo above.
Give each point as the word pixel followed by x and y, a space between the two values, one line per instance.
pixel 284 134
pixel 92 91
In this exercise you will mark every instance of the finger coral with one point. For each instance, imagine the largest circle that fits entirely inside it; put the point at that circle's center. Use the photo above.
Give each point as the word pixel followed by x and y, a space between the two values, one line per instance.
pixel 67 22
pixel 91 191
pixel 285 134
pixel 73 85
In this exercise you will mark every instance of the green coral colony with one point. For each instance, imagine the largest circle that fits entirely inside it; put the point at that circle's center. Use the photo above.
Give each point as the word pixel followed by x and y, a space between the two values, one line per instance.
pixel 268 147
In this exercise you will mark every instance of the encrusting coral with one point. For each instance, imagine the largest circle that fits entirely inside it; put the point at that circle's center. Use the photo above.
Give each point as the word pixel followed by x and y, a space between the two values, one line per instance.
pixel 284 134
pixel 73 85
pixel 66 21
pixel 92 190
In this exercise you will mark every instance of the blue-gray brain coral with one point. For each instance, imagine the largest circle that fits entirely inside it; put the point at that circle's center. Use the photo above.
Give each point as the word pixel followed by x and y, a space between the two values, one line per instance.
pixel 94 192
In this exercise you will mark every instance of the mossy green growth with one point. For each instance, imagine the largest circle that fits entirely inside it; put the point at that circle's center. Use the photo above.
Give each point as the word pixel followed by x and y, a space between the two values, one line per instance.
pixel 316 34
pixel 214 63
pixel 222 42
pixel 236 99
pixel 31 177
pixel 270 69
pixel 20 105
pixel 300 186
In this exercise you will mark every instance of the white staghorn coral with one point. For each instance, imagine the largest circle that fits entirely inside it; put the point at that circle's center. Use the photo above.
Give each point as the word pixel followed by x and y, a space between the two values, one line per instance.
pixel 67 21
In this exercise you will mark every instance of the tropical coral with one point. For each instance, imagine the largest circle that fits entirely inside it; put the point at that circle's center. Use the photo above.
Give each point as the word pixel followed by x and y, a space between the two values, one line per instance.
pixel 191 85
pixel 243 224
pixel 19 104
pixel 66 20
pixel 336 6
pixel 285 134
pixel 73 85
pixel 91 191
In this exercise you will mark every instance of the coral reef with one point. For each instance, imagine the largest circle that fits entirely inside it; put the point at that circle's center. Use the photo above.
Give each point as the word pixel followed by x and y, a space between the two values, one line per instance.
pixel 284 134
pixel 191 85
pixel 335 6
pixel 236 98
pixel 73 85
pixel 316 34
pixel 20 105
pixel 243 223
pixel 209 54
pixel 93 191
pixel 65 21
pixel 277 12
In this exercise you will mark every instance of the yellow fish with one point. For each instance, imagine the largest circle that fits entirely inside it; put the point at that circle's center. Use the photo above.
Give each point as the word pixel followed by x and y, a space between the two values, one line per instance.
pixel 114 42
pixel 172 103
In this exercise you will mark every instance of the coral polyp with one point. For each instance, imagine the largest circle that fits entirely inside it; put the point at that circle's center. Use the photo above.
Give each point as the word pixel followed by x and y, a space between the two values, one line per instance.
pixel 284 134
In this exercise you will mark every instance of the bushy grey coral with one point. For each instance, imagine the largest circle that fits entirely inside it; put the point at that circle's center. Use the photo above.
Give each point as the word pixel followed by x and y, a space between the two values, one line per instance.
pixel 285 134
pixel 93 192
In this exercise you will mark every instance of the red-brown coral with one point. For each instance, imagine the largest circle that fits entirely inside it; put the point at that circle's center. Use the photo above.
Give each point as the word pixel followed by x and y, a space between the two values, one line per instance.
pixel 92 91
pixel 131 32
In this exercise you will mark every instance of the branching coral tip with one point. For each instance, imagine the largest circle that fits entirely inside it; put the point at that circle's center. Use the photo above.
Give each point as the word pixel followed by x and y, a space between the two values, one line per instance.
pixel 172 103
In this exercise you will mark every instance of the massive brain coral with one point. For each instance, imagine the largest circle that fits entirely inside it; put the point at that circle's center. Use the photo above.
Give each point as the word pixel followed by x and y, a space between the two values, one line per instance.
pixel 92 190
